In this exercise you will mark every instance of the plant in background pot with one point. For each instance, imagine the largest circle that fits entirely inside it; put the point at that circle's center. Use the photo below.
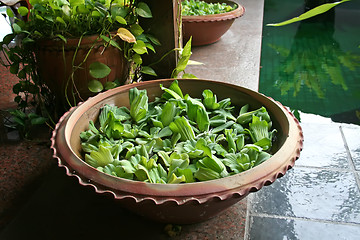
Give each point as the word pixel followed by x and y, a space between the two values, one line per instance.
pixel 206 21
pixel 65 50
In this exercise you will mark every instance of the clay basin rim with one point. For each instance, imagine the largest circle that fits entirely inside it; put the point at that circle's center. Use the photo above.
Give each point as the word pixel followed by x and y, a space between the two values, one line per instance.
pixel 67 149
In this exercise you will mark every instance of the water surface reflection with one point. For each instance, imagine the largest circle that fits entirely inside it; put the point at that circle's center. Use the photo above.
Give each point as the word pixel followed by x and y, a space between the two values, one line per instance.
pixel 314 66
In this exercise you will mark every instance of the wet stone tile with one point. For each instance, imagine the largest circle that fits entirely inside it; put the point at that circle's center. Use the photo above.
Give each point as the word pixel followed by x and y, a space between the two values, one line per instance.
pixel 264 228
pixel 323 146
pixel 352 136
pixel 311 193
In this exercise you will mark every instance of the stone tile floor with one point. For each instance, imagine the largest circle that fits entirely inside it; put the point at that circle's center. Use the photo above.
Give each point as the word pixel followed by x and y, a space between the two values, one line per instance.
pixel 319 197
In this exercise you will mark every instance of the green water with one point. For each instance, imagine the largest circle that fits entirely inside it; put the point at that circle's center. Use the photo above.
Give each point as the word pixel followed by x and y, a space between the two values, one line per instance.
pixel 313 66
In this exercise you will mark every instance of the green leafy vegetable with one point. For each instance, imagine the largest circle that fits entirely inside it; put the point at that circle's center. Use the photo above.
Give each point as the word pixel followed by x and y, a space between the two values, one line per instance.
pixel 177 138
pixel 198 8
pixel 138 104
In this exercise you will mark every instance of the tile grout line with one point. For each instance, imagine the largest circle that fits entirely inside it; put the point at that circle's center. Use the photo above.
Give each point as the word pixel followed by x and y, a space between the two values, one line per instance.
pixel 349 157
pixel 247 217
pixel 264 215
pixel 324 168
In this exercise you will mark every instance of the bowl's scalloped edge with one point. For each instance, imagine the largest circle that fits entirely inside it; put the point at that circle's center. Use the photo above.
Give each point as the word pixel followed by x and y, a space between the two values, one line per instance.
pixel 226 194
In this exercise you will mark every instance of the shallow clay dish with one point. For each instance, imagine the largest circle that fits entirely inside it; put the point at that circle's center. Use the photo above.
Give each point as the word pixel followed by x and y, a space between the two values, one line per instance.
pixel 177 203
pixel 209 28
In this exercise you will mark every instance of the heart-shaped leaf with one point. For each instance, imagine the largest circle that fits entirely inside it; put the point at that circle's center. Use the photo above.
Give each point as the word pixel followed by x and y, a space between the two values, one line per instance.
pixel 143 10
pixel 120 20
pixel 148 70
pixel 126 35
pixel 23 11
pixel 140 47
pixel 110 85
pixel 99 70
pixel 136 29
pixel 95 86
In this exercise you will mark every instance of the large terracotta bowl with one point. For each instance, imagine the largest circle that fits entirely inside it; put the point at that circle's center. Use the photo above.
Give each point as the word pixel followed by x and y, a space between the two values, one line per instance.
pixel 177 203
pixel 209 28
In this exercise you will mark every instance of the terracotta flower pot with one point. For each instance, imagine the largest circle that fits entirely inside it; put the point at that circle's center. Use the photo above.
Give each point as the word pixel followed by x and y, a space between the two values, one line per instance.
pixel 55 66
pixel 177 203
pixel 209 28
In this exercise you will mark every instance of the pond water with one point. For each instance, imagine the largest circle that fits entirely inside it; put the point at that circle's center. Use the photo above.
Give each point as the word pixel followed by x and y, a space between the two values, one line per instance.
pixel 313 66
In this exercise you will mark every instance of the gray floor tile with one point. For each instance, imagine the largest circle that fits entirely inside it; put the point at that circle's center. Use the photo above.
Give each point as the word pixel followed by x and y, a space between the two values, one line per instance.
pixel 323 146
pixel 352 136
pixel 266 228
pixel 311 193
pixel 234 59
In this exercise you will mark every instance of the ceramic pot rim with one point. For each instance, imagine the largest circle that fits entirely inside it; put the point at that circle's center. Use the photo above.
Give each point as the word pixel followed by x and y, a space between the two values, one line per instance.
pixel 236 185
pixel 236 13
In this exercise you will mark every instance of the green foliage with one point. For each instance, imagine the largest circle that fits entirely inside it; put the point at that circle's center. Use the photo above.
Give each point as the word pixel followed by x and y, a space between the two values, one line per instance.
pixel 177 138
pixel 116 22
pixel 199 8
pixel 185 55
pixel 309 14
pixel 25 122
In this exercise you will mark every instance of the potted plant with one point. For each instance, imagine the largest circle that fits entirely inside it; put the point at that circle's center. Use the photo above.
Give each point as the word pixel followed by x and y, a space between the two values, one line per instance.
pixel 63 49
pixel 168 130
pixel 206 21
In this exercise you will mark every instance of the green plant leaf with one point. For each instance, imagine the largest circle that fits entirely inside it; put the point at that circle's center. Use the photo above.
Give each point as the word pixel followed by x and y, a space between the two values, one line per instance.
pixel 95 86
pixel 120 20
pixel 143 10
pixel 60 20
pixel 151 47
pixel 210 100
pixel 148 70
pixel 110 85
pixel 19 121
pixel 17 88
pixel 27 40
pixel 168 113
pixel 74 3
pixel 186 52
pixel 39 17
pixel 194 63
pixel 184 59
pixel 140 47
pixel 97 14
pixel 311 13
pixel 16 27
pixel 138 103
pixel 205 174
pixel 153 39
pixel 61 37
pixel 23 11
pixel 22 74
pixel 17 99
pixel 8 38
pixel 9 12
pixel 136 29
pixel 99 158
pixel 38 121
pixel 181 125
pixel 137 59
pixel 99 70
pixel 14 68
pixel 126 35
pixel 18 113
